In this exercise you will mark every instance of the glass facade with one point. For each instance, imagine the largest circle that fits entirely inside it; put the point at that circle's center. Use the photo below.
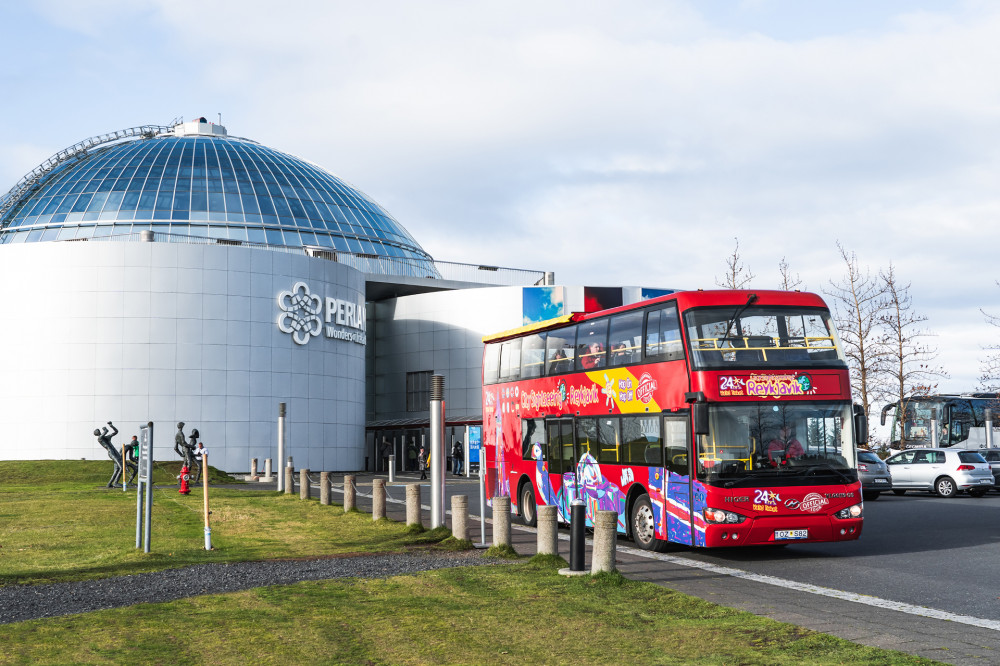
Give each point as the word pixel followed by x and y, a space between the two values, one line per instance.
pixel 212 187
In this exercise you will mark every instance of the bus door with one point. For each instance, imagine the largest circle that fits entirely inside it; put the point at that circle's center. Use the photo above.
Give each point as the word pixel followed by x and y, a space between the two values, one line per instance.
pixel 677 464
pixel 562 461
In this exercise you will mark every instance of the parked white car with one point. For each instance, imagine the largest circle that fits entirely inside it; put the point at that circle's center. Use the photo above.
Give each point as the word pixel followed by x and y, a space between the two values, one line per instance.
pixel 942 471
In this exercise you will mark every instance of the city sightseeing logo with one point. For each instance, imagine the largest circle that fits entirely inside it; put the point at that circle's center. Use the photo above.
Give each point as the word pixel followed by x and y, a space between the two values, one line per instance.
pixel 302 316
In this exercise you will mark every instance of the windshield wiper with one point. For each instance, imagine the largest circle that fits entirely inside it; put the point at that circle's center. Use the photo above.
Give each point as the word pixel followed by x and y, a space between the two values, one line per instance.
pixel 736 315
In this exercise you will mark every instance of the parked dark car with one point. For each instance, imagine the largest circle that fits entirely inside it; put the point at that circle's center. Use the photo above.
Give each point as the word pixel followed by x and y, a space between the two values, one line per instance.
pixel 874 475
pixel 993 458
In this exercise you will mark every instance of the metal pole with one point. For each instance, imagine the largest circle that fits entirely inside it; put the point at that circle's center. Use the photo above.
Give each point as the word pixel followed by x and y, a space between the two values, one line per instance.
pixel 149 489
pixel 204 485
pixel 281 443
pixel 392 468
pixel 482 509
pixel 989 428
pixel 934 432
pixel 437 451
pixel 577 525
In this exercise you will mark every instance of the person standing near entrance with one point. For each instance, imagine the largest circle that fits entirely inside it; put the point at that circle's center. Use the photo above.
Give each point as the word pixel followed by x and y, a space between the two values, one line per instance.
pixel 422 463
pixel 457 457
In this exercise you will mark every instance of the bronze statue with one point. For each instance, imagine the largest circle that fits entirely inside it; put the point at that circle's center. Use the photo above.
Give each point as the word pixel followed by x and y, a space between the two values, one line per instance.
pixel 185 450
pixel 104 439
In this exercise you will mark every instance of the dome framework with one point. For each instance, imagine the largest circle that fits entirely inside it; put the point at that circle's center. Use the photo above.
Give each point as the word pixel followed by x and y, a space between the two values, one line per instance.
pixel 195 180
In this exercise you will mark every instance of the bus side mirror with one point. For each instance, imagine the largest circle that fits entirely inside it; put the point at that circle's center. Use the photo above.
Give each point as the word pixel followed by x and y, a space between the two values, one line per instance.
pixel 885 410
pixel 700 410
pixel 861 424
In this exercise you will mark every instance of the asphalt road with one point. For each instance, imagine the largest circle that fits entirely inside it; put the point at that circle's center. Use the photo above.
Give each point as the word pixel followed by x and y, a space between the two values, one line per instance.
pixel 917 549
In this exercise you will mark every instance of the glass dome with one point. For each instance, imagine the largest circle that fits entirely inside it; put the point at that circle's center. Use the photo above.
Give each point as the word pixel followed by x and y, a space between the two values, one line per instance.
pixel 194 180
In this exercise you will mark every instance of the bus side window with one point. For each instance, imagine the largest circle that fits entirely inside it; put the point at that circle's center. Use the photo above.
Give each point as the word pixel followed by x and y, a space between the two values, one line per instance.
pixel 532 355
pixel 592 344
pixel 510 360
pixel 491 363
pixel 532 433
pixel 609 439
pixel 675 435
pixel 625 338
pixel 663 334
pixel 641 441
pixel 559 350
pixel 586 437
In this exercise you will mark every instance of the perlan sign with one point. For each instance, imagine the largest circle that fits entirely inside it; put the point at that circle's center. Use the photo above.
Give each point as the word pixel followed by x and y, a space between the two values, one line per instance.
pixel 305 315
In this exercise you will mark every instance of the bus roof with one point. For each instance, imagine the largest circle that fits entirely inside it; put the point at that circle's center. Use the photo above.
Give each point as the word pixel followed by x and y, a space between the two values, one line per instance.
pixel 684 299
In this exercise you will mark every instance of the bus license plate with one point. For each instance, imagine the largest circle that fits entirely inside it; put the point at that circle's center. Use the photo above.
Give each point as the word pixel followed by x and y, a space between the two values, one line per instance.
pixel 791 534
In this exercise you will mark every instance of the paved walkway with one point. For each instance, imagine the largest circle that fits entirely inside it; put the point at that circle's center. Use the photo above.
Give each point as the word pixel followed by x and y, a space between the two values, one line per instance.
pixel 941 639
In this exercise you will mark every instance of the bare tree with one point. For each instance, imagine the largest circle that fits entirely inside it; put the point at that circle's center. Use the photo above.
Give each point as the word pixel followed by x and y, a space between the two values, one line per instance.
pixel 910 363
pixel 737 276
pixel 788 281
pixel 858 303
pixel 989 379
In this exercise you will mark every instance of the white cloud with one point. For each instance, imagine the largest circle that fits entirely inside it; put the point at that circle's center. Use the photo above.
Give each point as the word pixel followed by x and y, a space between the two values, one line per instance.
pixel 618 144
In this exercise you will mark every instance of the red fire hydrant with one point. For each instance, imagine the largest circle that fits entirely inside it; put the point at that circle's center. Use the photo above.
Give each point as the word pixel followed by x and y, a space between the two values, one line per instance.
pixel 185 475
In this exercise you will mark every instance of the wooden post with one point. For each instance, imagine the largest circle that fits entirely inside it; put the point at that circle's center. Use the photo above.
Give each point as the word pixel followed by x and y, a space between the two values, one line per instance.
pixel 324 488
pixel 204 482
pixel 304 488
pixel 350 493
pixel 460 517
pixel 413 504
pixel 501 521
pixel 378 499
pixel 548 533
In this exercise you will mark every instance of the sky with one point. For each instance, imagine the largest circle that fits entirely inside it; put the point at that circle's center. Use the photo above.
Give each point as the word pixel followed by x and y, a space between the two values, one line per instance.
pixel 627 143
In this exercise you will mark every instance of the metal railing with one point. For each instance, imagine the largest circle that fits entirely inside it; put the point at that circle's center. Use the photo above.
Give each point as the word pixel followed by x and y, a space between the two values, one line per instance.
pixel 366 263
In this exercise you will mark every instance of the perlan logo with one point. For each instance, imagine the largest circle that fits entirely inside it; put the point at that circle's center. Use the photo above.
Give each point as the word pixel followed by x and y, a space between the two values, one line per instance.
pixel 302 316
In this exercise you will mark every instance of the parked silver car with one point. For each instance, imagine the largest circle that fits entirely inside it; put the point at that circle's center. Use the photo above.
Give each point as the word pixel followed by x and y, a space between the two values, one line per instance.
pixel 874 475
pixel 943 471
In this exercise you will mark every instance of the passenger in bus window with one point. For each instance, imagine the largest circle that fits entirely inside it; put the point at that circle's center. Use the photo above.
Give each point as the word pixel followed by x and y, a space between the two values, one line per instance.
pixel 784 447
pixel 593 356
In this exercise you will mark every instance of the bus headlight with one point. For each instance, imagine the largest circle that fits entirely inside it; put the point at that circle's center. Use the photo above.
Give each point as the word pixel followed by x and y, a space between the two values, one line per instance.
pixel 722 516
pixel 850 512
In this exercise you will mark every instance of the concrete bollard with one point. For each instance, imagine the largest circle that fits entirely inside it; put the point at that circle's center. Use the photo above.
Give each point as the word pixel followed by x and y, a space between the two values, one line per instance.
pixel 289 480
pixel 305 490
pixel 501 521
pixel 548 532
pixel 267 469
pixel 605 542
pixel 350 495
pixel 413 504
pixel 378 499
pixel 324 488
pixel 253 468
pixel 460 517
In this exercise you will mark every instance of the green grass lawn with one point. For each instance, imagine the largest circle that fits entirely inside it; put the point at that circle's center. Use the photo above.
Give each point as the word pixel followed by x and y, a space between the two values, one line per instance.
pixel 522 612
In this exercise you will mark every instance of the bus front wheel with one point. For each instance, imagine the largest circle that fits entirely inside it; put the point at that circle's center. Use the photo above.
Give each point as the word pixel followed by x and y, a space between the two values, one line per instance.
pixel 644 527
pixel 529 510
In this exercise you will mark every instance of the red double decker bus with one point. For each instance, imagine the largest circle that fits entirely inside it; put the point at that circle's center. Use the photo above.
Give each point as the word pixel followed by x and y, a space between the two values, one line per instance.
pixel 704 418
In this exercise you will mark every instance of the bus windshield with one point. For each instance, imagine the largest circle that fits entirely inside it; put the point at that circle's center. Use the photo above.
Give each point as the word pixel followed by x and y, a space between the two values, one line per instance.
pixel 959 420
pixel 801 443
pixel 761 336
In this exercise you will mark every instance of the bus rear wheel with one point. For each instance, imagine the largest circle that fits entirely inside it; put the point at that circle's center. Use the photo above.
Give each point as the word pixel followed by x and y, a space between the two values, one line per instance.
pixel 529 510
pixel 644 527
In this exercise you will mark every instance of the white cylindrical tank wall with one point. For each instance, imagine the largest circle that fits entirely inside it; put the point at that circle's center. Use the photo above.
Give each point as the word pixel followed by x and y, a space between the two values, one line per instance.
pixel 133 332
